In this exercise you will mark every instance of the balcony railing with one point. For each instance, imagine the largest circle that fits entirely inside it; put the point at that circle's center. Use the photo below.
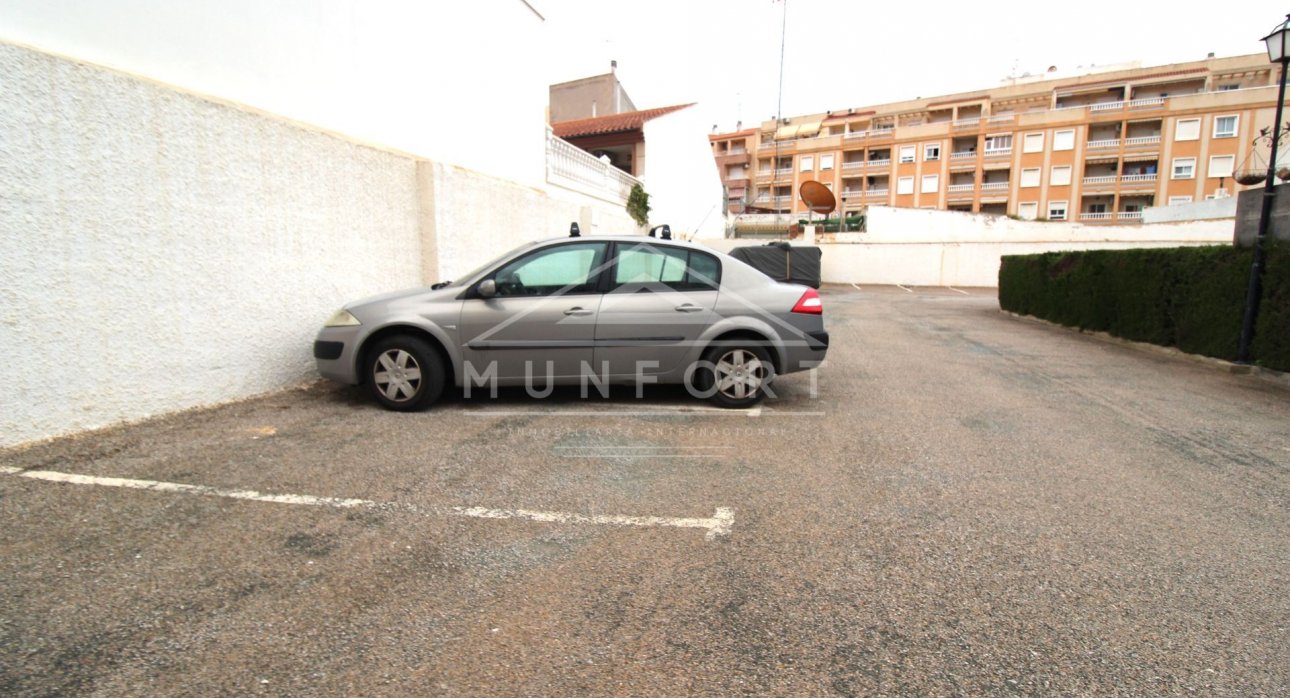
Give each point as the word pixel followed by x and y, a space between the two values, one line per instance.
pixel 989 186
pixel 874 193
pixel 852 192
pixel 571 167
pixel 955 188
pixel 1146 102
pixel 1142 140
pixel 962 154
pixel 1138 178
pixel 1101 179
pixel 880 163
pixel 1095 216
pixel 967 124
pixel 1104 143
pixel 1129 215
pixel 1105 106
pixel 998 152
pixel 853 165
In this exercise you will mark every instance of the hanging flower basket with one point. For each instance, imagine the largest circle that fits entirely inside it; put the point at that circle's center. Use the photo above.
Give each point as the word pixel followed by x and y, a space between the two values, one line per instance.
pixel 1249 177
pixel 1283 174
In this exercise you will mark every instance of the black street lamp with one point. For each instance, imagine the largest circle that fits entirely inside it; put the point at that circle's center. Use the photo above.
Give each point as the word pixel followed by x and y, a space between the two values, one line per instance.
pixel 1278 52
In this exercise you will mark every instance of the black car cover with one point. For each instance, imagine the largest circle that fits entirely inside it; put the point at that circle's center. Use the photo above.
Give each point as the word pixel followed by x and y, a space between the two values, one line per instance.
pixel 783 262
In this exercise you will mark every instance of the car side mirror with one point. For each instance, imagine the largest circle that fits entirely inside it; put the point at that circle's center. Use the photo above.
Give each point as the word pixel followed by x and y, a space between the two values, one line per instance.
pixel 487 288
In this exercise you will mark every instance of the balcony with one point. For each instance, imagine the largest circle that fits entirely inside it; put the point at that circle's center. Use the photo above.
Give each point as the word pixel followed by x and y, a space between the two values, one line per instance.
pixel 1095 216
pixel 960 188
pixel 1104 143
pixel 880 163
pixel 1142 141
pixel 998 152
pixel 963 155
pixel 847 193
pixel 967 124
pixel 1101 181
pixel 1129 215
pixel 575 169
pixel 1106 106
pixel 1146 103
pixel 1136 178
pixel 995 186
pixel 853 165
pixel 875 193
pixel 764 174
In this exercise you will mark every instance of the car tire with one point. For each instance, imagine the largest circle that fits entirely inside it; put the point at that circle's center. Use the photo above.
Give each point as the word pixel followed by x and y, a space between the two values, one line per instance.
pixel 404 373
pixel 736 373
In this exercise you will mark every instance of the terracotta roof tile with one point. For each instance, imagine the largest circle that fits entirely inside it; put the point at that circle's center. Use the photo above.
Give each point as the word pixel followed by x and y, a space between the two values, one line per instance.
pixel 612 123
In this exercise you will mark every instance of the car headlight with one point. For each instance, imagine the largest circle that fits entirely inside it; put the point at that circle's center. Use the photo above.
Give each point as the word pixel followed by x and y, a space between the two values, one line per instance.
pixel 342 318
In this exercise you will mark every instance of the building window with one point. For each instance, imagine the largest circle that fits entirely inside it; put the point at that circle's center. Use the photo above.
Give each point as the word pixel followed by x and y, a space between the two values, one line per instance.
pixel 1095 208
pixel 1187 130
pixel 1061 176
pixel 1179 200
pixel 1225 126
pixel 932 151
pixel 904 185
pixel 1000 142
pixel 931 184
pixel 826 162
pixel 1184 168
pixel 1221 165
pixel 1030 177
pixel 1064 140
pixel 1028 210
pixel 1228 88
pixel 1034 143
pixel 906 153
pixel 1057 210
pixel 808 163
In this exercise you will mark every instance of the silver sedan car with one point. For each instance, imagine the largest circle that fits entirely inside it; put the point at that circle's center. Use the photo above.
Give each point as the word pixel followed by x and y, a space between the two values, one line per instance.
pixel 589 311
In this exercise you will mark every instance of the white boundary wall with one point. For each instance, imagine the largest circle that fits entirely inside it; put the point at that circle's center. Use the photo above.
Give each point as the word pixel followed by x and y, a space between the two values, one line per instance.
pixel 942 248
pixel 164 251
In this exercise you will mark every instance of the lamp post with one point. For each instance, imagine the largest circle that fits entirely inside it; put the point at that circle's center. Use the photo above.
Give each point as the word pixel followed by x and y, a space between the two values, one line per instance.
pixel 1278 43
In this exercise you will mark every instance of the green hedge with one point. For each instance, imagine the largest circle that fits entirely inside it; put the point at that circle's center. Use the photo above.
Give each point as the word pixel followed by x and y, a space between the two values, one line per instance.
pixel 1189 297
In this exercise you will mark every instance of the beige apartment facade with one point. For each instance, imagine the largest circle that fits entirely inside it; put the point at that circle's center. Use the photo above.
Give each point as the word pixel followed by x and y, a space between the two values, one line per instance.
pixel 1094 148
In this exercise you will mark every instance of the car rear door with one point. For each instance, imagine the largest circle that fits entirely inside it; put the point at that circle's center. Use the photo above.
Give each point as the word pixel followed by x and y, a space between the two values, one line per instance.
pixel 659 299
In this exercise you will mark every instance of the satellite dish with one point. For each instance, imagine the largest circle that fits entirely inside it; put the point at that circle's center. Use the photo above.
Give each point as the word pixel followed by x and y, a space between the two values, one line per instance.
pixel 817 197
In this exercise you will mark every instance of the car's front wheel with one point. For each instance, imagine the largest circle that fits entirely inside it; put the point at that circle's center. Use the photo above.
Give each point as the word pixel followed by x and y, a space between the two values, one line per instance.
pixel 404 373
pixel 736 373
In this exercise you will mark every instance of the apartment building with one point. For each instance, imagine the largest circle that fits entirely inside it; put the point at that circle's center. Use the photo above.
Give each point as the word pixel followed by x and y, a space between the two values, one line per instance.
pixel 1095 148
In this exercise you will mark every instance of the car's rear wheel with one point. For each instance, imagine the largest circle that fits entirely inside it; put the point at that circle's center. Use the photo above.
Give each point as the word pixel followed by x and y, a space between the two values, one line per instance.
pixel 404 373
pixel 736 373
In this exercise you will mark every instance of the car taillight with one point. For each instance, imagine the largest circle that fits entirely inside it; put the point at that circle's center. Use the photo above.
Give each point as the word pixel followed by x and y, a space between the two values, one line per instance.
pixel 809 303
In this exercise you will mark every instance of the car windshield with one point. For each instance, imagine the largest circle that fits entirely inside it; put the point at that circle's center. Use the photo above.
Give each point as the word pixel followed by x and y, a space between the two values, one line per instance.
pixel 462 279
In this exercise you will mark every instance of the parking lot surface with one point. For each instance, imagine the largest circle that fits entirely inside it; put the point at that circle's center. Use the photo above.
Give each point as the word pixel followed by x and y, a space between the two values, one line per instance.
pixel 963 504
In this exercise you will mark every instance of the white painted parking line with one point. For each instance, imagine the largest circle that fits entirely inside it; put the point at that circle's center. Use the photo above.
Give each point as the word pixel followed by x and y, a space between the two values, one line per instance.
pixel 718 525
pixel 856 287
pixel 958 291
pixel 905 289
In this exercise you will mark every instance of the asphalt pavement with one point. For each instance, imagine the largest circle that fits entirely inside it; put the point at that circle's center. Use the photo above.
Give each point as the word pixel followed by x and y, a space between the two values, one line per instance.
pixel 959 503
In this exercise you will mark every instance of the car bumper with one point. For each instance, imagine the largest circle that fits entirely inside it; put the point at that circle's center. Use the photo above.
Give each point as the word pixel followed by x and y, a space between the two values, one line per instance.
pixel 806 352
pixel 334 354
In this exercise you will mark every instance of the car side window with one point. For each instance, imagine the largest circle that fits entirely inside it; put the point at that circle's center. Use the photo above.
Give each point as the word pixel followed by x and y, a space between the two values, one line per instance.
pixel 678 269
pixel 560 270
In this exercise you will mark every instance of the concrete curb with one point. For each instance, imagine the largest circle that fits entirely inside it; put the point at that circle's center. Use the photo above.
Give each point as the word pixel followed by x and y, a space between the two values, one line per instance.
pixel 1280 378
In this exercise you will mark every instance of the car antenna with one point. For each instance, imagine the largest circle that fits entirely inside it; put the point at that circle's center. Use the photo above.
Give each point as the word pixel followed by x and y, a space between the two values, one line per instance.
pixel 574 230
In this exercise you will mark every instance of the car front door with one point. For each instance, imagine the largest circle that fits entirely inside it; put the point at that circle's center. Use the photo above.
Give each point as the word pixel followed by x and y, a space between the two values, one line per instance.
pixel 541 321
pixel 660 299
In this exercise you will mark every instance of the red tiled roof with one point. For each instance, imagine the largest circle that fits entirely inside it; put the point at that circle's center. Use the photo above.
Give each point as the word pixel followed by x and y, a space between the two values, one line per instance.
pixel 613 123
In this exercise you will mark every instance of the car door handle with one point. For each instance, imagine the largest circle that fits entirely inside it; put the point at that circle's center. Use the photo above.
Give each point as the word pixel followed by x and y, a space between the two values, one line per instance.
pixel 577 311
pixel 688 308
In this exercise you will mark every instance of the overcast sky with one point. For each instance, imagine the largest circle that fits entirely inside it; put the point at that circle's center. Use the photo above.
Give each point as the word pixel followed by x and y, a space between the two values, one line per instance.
pixel 725 54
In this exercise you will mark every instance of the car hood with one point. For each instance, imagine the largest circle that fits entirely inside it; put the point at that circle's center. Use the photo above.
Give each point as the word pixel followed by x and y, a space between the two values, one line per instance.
pixel 423 293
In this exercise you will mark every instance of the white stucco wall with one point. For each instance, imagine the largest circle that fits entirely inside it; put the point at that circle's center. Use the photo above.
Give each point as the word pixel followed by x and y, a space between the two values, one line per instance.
pixel 942 248
pixel 1192 211
pixel 681 176
pixel 162 251
pixel 453 82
